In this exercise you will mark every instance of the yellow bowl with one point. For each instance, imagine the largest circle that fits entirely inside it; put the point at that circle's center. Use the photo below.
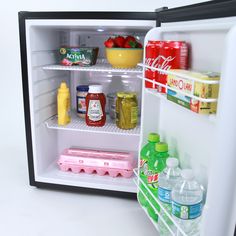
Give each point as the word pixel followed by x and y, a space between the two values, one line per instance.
pixel 124 57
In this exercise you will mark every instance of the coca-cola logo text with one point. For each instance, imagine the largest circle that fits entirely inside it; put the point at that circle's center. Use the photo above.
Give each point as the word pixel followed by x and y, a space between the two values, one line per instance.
pixel 159 62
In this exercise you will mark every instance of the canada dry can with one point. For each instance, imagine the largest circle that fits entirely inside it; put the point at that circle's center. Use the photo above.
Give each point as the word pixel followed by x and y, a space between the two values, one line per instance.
pixel 173 55
pixel 126 110
pixel 151 59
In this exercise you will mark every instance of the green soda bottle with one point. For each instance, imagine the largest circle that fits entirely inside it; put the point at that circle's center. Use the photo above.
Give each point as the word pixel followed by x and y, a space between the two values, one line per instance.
pixel 146 152
pixel 156 165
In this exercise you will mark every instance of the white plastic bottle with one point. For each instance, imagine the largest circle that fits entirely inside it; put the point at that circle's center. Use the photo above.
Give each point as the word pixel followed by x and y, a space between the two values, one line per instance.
pixel 167 180
pixel 187 203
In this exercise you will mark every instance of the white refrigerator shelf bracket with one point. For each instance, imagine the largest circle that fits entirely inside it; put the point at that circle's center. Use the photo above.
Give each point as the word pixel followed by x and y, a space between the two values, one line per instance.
pixel 208 100
pixel 78 124
pixel 178 228
pixel 101 66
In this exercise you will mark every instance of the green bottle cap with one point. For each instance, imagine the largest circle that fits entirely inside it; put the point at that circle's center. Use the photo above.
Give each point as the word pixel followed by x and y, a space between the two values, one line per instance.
pixel 161 147
pixel 154 137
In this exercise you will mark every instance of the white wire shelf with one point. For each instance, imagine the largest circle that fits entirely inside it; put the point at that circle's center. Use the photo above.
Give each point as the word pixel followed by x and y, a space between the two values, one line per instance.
pixel 170 72
pixel 172 230
pixel 101 66
pixel 208 100
pixel 78 124
pixel 189 78
pixel 145 209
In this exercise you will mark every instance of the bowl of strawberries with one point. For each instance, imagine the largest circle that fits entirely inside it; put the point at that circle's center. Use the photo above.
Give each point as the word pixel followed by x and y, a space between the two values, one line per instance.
pixel 123 52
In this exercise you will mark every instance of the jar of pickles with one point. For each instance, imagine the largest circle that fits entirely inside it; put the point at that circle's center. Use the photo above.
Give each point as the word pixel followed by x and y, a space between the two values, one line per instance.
pixel 126 110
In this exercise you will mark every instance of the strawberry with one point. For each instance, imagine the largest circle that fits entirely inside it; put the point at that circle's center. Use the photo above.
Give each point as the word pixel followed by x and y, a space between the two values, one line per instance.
pixel 139 45
pixel 109 43
pixel 127 45
pixel 119 41
pixel 130 44
pixel 130 38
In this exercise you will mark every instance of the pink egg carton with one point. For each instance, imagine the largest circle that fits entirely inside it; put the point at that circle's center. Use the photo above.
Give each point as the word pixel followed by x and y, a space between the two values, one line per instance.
pixel 101 162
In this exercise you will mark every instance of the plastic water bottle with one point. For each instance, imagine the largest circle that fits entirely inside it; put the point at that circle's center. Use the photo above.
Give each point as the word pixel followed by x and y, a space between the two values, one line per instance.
pixel 167 180
pixel 146 152
pixel 187 203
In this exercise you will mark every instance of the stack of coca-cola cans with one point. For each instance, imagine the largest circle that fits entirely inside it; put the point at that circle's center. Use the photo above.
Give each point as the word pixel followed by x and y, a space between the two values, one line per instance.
pixel 164 55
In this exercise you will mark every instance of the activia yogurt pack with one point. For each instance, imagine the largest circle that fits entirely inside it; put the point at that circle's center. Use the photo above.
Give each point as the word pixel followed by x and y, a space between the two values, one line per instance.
pixel 82 56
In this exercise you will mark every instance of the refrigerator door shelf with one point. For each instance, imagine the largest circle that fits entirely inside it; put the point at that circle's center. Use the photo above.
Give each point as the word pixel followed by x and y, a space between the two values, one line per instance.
pixel 179 74
pixel 175 226
pixel 208 100
pixel 163 97
pixel 144 208
pixel 78 124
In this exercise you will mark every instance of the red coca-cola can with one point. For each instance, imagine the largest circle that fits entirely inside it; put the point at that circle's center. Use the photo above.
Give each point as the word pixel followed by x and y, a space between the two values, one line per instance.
pixel 173 55
pixel 151 59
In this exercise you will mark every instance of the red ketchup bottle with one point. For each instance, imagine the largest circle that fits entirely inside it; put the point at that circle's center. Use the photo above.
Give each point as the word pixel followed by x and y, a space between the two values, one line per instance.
pixel 95 106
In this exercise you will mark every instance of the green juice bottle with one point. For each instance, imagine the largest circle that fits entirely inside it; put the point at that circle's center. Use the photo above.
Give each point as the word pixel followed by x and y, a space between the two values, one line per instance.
pixel 146 152
pixel 156 165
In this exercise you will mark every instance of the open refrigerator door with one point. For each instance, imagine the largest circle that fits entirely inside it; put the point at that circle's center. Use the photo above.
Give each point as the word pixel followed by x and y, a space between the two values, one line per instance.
pixel 202 142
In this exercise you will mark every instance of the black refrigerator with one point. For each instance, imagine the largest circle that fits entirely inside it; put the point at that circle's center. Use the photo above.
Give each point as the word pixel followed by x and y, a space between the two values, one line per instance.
pixel 200 142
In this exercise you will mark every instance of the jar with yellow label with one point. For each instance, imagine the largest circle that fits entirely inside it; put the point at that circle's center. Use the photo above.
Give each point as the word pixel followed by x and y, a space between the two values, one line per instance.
pixel 126 110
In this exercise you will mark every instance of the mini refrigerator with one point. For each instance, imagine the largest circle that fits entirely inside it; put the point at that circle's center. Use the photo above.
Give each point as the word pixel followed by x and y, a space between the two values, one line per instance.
pixel 204 143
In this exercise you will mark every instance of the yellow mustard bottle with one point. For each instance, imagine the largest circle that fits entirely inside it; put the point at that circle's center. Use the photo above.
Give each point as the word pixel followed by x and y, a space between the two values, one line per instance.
pixel 63 104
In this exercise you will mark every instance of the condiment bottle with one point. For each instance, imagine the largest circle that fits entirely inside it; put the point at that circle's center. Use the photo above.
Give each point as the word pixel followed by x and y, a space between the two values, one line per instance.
pixel 63 104
pixel 95 103
pixel 82 91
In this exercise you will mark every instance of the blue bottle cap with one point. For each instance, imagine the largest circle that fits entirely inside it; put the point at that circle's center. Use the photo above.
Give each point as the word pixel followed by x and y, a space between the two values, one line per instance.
pixel 82 88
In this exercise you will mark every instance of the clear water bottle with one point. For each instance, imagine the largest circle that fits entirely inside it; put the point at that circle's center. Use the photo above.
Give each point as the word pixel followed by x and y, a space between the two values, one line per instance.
pixel 167 180
pixel 187 203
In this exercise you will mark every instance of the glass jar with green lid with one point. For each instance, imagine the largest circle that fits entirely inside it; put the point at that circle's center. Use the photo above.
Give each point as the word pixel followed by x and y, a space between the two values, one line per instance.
pixel 126 110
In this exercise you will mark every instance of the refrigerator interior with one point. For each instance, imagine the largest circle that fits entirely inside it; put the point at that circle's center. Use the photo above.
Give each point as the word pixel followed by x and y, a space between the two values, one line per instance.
pixel 191 137
pixel 44 38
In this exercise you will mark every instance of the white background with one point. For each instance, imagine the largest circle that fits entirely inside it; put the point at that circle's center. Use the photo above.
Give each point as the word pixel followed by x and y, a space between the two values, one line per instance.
pixel 24 210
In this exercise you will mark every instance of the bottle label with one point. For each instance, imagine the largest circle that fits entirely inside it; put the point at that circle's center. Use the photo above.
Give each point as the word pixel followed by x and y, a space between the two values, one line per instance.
pixel 164 195
pixel 152 179
pixel 142 162
pixel 186 212
pixel 134 115
pixel 81 105
pixel 143 167
pixel 95 112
